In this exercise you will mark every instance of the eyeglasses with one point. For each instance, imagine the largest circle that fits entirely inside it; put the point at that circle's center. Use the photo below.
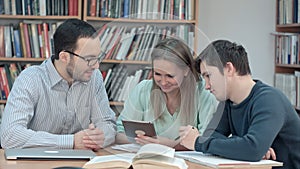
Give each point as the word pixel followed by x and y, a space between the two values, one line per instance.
pixel 90 61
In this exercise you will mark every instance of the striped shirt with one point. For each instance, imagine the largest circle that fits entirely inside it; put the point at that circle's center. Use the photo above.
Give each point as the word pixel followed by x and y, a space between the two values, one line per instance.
pixel 43 111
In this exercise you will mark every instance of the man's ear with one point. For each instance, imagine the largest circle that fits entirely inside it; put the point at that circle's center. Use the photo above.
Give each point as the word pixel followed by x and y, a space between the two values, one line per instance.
pixel 229 69
pixel 64 56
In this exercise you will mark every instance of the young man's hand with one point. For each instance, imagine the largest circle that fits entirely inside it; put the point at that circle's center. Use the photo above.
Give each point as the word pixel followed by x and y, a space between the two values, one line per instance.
pixel 188 135
pixel 270 155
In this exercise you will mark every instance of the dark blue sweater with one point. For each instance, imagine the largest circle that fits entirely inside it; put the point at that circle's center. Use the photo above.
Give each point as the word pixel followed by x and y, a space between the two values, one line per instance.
pixel 264 119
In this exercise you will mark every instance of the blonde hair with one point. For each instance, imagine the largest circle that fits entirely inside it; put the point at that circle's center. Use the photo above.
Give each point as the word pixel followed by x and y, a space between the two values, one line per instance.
pixel 177 52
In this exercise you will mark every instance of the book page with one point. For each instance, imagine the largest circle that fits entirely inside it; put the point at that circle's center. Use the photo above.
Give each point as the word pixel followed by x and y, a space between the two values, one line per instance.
pixel 150 150
pixel 132 148
pixel 123 160
pixel 214 161
pixel 159 162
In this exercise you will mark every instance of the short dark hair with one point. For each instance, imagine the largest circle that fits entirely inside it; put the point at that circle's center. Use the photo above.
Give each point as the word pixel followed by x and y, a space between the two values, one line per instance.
pixel 219 52
pixel 67 34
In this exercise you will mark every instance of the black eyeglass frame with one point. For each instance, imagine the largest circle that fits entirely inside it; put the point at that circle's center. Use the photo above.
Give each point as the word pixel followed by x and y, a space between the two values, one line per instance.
pixel 97 59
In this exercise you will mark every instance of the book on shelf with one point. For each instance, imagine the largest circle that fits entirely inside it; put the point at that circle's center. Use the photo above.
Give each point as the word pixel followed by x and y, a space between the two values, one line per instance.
pixel 1 7
pixel 220 162
pixel 107 76
pixel 2 42
pixel 287 84
pixel 5 83
pixel 40 7
pixel 8 40
pixel 2 88
pixel 35 40
pixel 149 156
pixel 297 76
pixel 118 83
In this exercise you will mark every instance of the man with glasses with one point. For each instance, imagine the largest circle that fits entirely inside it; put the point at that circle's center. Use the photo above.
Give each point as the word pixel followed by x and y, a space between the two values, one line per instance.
pixel 61 103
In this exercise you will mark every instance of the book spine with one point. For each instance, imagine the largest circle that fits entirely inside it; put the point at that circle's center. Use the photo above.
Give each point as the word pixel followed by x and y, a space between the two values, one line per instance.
pixel 2 43
pixel 41 41
pixel 8 41
pixel 46 39
pixel 35 39
pixel 27 41
pixel 17 43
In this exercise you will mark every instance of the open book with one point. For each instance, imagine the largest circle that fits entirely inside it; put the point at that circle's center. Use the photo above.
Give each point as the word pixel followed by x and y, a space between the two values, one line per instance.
pixel 152 156
pixel 219 162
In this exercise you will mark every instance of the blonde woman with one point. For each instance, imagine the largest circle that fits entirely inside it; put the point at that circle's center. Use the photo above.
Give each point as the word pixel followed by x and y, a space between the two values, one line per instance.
pixel 174 97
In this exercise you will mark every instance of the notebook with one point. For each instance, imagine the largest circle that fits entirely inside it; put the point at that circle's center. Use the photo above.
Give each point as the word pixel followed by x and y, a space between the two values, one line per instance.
pixel 48 154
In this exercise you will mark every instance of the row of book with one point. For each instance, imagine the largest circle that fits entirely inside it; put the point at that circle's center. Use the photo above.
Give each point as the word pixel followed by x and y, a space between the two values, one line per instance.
pixel 289 84
pixel 39 7
pixel 8 74
pixel 136 43
pixel 287 48
pixel 120 80
pixel 288 11
pixel 28 39
pixel 142 9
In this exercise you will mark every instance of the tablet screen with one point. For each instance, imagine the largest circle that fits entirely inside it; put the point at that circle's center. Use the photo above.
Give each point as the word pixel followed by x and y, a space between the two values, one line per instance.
pixel 132 128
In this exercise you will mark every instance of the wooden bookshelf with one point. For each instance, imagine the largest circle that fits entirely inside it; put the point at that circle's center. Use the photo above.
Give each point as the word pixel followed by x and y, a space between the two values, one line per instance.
pixel 89 18
pixel 153 18
pixel 287 27
pixel 14 59
pixel 83 14
pixel 25 17
pixel 14 20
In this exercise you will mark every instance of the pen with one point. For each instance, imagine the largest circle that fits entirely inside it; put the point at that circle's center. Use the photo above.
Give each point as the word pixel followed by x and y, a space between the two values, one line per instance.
pixel 177 138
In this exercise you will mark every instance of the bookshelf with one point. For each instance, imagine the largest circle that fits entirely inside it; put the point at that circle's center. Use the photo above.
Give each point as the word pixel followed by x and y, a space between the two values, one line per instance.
pixel 37 13
pixel 178 20
pixel 287 50
pixel 177 17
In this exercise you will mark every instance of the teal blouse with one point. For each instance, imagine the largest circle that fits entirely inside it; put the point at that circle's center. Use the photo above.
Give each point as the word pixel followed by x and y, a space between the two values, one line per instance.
pixel 137 107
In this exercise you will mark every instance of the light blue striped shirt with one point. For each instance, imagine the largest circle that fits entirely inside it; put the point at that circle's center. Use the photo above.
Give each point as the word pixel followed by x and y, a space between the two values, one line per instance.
pixel 43 111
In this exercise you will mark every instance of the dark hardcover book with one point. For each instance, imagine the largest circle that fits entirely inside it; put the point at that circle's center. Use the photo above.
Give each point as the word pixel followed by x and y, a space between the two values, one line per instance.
pixel 19 7
pixel 12 40
pixel 66 7
pixel 49 7
pixel 119 83
pixel 8 76
pixel 17 43
pixel 55 7
pixel 1 7
pixel 116 72
pixel 32 54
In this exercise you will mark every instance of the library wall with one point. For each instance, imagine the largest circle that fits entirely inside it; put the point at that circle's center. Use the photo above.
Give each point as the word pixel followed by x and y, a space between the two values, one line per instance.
pixel 236 20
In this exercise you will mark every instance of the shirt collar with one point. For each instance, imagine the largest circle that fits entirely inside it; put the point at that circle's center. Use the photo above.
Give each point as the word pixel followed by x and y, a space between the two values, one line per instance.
pixel 54 76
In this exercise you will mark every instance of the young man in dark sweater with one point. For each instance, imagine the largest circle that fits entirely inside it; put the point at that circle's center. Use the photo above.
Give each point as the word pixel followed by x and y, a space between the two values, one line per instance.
pixel 252 119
